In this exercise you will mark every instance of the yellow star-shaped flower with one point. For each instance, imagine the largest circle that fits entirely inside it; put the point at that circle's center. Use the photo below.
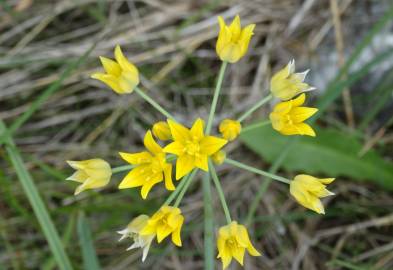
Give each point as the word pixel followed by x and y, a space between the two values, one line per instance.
pixel 151 167
pixel 192 147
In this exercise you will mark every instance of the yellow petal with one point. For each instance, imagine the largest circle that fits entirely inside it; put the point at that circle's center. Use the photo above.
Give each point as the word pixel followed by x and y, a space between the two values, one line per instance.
pixel 238 254
pixel 184 165
pixel 162 232
pixel 109 80
pixel 305 129
pixel 176 238
pixel 175 148
pixel 78 176
pixel 110 66
pixel 299 101
pixel 235 27
pixel 147 186
pixel 300 114
pixel 151 144
pixel 202 162
pixel 210 145
pixel 197 129
pixel 136 158
pixel 179 132
pixel 135 178
pixel 326 180
pixel 124 63
pixel 168 177
pixel 231 53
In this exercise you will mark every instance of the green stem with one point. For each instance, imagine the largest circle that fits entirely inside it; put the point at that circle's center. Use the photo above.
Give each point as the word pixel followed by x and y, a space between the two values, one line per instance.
pixel 254 108
pixel 177 190
pixel 153 103
pixel 215 97
pixel 122 168
pixel 208 223
pixel 256 125
pixel 184 189
pixel 220 192
pixel 257 171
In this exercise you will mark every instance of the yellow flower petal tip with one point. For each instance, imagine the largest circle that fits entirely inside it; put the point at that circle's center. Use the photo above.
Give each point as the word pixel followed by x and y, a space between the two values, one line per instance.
pixel 307 190
pixel 162 131
pixel 219 157
pixel 120 75
pixel 133 230
pixel 232 42
pixel 286 84
pixel 91 173
pixel 166 221
pixel 232 242
pixel 150 168
pixel 192 147
pixel 288 117
pixel 230 129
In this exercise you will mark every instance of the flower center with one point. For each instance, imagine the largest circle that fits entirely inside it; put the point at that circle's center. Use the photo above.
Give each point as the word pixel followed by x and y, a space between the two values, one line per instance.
pixel 192 148
pixel 232 243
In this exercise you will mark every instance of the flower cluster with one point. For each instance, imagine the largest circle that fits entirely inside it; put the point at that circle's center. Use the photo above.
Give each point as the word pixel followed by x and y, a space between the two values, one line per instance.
pixel 174 149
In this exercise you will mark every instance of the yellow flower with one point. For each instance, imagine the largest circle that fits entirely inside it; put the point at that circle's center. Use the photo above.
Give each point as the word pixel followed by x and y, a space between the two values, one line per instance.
pixel 162 131
pixel 121 75
pixel 219 157
pixel 192 147
pixel 307 190
pixel 286 84
pixel 133 231
pixel 92 173
pixel 232 242
pixel 232 42
pixel 287 117
pixel 151 168
pixel 230 129
pixel 168 220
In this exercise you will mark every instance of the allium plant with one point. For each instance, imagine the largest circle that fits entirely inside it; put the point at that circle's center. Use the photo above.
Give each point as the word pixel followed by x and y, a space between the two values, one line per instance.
pixel 174 149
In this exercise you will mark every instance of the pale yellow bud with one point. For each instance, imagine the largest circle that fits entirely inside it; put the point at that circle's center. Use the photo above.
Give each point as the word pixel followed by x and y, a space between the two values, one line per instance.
pixel 92 173
pixel 230 129
pixel 219 157
pixel 162 131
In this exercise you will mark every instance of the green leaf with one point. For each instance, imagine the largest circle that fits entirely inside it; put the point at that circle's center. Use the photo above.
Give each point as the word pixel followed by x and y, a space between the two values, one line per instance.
pixel 331 153
pixel 90 261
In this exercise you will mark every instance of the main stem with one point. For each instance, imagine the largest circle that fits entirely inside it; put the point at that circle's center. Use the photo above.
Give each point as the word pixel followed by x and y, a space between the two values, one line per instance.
pixel 257 171
pixel 208 223
pixel 153 103
pixel 220 192
pixel 254 108
pixel 215 97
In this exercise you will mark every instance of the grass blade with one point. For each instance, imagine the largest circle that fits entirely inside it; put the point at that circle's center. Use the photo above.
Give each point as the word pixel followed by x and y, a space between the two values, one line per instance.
pixel 90 261
pixel 37 204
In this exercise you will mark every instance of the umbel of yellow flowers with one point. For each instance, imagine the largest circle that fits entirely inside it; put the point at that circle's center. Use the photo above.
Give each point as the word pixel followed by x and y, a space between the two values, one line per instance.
pixel 133 231
pixel 232 242
pixel 307 190
pixel 121 75
pixel 230 129
pixel 92 173
pixel 151 167
pixel 192 147
pixel 232 42
pixel 286 84
pixel 288 117
pixel 168 220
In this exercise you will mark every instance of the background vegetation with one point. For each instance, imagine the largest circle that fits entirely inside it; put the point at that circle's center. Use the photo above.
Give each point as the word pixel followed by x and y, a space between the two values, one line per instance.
pixel 51 111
